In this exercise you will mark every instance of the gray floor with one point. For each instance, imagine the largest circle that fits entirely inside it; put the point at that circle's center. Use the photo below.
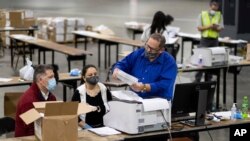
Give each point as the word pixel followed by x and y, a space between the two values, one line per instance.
pixel 113 13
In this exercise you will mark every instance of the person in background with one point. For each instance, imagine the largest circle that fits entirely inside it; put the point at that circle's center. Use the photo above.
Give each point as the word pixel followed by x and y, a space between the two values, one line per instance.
pixel 210 24
pixel 158 25
pixel 95 94
pixel 168 21
pixel 155 69
pixel 40 90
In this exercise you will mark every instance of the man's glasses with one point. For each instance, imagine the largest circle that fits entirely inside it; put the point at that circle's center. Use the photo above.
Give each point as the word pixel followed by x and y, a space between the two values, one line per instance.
pixel 151 49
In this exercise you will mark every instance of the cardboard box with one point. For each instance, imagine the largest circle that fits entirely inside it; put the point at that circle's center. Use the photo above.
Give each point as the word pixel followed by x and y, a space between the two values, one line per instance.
pixel 56 37
pixel 3 20
pixel 28 22
pixel 60 120
pixel 248 52
pixel 10 103
pixel 16 18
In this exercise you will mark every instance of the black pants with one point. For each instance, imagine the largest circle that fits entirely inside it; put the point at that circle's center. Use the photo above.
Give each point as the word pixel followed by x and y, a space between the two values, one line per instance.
pixel 206 42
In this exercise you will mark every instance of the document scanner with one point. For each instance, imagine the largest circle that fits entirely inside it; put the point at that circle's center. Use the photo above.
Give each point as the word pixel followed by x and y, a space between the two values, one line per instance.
pixel 213 56
pixel 134 117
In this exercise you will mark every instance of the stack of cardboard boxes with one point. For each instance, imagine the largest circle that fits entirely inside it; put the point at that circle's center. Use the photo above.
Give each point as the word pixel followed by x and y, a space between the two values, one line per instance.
pixel 15 19
pixel 59 29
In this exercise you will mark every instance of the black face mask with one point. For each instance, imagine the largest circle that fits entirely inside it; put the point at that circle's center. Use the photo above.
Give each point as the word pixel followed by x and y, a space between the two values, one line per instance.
pixel 93 80
pixel 150 55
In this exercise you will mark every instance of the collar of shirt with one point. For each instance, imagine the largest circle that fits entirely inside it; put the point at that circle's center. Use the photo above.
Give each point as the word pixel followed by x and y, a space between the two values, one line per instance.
pixel 45 96
pixel 159 59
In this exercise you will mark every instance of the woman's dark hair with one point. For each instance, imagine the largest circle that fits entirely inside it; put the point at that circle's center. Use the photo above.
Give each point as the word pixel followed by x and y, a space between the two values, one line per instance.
pixel 169 20
pixel 84 71
pixel 158 23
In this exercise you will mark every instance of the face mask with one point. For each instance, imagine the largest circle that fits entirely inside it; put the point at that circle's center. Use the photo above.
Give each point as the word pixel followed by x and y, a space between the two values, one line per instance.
pixel 93 80
pixel 150 55
pixel 212 12
pixel 51 84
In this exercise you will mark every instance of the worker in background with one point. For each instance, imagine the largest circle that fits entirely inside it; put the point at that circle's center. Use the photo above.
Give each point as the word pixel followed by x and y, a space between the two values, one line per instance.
pixel 210 23
pixel 40 90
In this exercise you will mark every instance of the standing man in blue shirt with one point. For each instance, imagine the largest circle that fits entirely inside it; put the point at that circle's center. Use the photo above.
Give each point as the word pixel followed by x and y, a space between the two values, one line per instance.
pixel 155 69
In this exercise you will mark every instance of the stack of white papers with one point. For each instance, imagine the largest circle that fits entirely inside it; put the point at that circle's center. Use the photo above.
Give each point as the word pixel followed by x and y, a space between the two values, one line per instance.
pixel 126 95
pixel 5 79
pixel 24 37
pixel 126 78
pixel 104 131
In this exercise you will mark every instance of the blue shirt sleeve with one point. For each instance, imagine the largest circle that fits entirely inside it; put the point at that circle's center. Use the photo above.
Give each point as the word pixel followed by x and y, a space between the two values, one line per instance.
pixel 160 74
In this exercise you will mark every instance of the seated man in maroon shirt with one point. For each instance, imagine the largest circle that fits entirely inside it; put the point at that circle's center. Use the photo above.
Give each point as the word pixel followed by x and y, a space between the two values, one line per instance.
pixel 40 90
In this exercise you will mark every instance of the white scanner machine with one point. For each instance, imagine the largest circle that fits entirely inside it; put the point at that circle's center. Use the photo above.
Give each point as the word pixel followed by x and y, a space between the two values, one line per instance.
pixel 212 56
pixel 137 115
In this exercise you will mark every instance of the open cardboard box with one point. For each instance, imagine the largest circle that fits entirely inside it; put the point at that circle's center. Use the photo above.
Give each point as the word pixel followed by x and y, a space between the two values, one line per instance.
pixel 59 120
pixel 248 52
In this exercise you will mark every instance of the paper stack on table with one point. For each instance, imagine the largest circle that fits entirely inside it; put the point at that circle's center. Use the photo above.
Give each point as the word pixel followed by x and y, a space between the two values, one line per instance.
pixel 104 131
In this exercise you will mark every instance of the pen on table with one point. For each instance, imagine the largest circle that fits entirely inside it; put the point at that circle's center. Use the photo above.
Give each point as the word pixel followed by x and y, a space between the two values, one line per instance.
pixel 218 117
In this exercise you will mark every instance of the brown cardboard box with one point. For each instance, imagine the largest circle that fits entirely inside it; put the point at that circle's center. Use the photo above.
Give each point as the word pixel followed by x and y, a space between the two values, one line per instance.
pixel 2 19
pixel 248 52
pixel 16 18
pixel 28 22
pixel 60 120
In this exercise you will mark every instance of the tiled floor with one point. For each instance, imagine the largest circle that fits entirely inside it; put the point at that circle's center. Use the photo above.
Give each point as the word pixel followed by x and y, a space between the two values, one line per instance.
pixel 114 13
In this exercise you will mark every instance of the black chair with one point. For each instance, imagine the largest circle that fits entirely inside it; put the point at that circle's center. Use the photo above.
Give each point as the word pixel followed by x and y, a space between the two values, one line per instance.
pixel 7 124
pixel 20 49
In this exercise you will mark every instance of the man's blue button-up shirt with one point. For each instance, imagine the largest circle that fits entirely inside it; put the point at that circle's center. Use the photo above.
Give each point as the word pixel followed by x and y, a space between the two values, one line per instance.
pixel 160 73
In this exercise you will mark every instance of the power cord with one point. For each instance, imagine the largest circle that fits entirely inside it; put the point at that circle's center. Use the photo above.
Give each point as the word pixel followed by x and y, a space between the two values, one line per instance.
pixel 209 133
pixel 169 131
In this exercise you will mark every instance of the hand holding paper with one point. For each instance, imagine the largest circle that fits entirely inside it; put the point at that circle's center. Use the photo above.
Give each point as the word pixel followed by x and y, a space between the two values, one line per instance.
pixel 137 87
pixel 124 77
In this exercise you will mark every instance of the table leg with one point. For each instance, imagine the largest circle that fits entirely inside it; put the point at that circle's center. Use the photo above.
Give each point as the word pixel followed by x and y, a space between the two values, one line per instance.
pixel 99 54
pixel 224 86
pixel 218 90
pixel 235 85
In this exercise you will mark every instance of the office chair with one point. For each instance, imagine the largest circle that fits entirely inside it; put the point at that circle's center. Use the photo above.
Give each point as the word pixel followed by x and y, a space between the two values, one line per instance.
pixel 7 124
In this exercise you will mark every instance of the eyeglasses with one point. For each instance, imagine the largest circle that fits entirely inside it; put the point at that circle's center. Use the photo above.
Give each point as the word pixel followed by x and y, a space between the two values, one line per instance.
pixel 152 49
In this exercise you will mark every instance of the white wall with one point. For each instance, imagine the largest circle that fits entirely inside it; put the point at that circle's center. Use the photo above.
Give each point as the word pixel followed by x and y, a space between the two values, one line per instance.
pixel 114 13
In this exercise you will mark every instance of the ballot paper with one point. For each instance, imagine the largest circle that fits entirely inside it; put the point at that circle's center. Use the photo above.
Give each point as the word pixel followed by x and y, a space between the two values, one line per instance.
pixel 126 95
pixel 24 37
pixel 153 104
pixel 149 104
pixel 171 40
pixel 5 79
pixel 126 78
pixel 104 131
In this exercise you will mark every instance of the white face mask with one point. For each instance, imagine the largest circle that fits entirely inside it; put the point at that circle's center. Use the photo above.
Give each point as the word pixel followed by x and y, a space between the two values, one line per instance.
pixel 212 12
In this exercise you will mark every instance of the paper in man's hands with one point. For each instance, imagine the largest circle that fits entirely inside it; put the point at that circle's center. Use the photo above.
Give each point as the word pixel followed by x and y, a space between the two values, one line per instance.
pixel 126 78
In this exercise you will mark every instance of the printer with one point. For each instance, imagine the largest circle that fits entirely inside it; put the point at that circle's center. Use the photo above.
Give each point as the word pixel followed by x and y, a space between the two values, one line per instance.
pixel 134 117
pixel 213 56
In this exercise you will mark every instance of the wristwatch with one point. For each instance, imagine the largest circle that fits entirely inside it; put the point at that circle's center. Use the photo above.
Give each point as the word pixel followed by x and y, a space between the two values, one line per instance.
pixel 144 89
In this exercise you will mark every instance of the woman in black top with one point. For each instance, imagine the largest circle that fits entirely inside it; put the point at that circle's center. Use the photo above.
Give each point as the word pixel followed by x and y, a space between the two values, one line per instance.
pixel 95 94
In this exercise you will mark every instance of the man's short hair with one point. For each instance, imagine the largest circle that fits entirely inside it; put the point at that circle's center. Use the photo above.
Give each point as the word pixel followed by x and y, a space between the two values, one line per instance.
pixel 158 37
pixel 214 1
pixel 41 70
